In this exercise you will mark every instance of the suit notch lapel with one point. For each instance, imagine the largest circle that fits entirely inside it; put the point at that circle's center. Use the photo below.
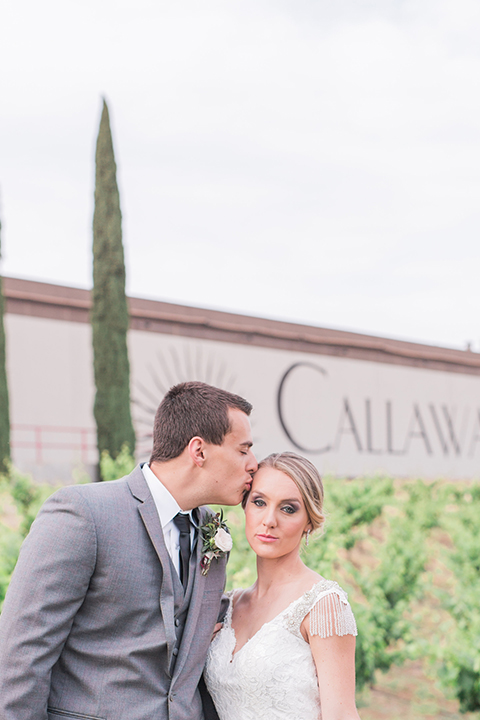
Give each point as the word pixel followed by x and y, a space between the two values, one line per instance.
pixel 149 515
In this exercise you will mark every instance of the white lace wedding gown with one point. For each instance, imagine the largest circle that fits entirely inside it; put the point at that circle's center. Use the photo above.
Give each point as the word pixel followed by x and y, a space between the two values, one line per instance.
pixel 273 676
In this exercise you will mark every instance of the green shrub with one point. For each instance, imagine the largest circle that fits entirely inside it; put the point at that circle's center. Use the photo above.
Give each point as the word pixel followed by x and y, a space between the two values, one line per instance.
pixel 458 654
pixel 114 468
pixel 10 542
pixel 27 497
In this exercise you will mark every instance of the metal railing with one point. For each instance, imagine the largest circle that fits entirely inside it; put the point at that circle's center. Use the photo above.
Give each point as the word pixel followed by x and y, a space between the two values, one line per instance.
pixel 42 438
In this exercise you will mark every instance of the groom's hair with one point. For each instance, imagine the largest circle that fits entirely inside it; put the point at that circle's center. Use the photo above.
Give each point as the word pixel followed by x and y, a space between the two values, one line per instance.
pixel 192 409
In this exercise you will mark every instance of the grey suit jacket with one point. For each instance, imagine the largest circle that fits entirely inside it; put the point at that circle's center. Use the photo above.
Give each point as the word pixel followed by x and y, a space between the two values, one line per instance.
pixel 88 628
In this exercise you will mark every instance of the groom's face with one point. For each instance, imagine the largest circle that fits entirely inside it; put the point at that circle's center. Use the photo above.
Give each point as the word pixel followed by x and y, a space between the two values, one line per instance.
pixel 231 464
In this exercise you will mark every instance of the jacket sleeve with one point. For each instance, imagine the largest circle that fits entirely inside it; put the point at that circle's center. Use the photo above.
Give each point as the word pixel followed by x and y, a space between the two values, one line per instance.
pixel 48 586
pixel 225 602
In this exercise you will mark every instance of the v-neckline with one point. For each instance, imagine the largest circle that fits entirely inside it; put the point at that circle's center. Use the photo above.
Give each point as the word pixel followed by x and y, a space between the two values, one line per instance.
pixel 235 653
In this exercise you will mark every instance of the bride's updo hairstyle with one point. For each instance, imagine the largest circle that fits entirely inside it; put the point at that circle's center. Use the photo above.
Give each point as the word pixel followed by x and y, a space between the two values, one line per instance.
pixel 307 479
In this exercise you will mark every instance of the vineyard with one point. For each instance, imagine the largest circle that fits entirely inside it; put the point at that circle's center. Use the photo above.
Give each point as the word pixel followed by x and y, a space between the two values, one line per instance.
pixel 408 553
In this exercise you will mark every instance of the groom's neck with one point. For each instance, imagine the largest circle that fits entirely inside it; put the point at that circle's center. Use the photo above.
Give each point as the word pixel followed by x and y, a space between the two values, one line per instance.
pixel 179 481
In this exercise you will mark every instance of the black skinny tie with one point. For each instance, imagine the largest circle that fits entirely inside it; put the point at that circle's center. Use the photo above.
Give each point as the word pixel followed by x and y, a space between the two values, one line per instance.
pixel 183 524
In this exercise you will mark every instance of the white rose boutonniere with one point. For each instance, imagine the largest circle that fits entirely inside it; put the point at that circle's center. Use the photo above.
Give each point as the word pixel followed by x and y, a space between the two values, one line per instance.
pixel 216 539
pixel 223 540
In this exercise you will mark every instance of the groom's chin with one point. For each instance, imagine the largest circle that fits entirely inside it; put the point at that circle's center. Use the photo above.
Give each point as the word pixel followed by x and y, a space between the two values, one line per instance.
pixel 236 499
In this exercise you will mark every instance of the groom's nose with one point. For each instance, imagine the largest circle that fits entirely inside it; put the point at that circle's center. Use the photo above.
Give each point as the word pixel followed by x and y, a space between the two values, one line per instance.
pixel 252 463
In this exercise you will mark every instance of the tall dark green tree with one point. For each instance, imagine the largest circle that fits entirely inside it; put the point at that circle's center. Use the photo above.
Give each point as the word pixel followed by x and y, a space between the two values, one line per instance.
pixel 4 406
pixel 109 305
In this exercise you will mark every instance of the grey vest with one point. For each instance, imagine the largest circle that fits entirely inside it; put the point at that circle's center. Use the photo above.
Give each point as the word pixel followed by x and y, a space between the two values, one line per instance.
pixel 181 602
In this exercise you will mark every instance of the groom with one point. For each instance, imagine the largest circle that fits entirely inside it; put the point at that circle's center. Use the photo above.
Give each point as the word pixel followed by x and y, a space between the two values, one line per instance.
pixel 108 616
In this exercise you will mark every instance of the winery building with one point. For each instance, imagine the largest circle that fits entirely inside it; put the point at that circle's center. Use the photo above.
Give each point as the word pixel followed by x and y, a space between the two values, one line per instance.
pixel 354 404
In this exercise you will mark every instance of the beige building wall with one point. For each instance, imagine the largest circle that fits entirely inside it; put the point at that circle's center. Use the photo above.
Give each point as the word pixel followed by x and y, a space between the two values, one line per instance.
pixel 353 404
pixel 50 377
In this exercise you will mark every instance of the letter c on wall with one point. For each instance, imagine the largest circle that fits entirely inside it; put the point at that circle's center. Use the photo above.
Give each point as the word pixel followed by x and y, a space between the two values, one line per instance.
pixel 281 415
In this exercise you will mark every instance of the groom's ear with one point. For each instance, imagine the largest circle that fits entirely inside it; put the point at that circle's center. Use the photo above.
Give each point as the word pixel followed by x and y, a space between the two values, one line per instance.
pixel 196 450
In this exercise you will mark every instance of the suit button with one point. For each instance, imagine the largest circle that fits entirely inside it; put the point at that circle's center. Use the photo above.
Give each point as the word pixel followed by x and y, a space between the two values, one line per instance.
pixel 177 622
pixel 175 651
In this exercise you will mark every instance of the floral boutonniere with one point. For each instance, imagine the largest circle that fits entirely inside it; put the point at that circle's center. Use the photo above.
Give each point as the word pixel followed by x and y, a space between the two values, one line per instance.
pixel 216 539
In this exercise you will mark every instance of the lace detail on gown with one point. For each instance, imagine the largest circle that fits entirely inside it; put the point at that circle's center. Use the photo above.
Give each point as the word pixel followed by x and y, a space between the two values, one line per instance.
pixel 273 676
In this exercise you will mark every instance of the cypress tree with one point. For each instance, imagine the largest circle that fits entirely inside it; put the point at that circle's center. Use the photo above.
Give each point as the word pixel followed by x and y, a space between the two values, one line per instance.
pixel 109 305
pixel 4 405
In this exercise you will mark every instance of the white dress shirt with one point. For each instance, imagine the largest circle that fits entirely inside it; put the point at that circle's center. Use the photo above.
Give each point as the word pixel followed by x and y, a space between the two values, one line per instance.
pixel 167 508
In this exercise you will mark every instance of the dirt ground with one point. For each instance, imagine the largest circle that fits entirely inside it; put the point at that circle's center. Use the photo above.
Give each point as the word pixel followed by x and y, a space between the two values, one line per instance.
pixel 407 693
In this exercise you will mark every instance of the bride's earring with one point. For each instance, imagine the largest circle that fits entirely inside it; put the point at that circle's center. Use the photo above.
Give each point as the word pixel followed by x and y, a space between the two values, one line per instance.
pixel 306 537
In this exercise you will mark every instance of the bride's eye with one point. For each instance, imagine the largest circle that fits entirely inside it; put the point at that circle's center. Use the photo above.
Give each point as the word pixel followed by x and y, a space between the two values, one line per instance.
pixel 289 509
pixel 258 502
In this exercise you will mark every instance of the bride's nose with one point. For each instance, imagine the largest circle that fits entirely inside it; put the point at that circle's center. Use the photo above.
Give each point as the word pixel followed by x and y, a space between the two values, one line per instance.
pixel 269 518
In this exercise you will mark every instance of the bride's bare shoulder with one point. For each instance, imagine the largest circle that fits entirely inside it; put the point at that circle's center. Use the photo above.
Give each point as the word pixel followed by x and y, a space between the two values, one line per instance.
pixel 309 580
pixel 241 597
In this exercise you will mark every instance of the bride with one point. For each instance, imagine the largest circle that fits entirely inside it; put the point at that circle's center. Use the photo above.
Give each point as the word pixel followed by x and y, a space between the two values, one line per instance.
pixel 287 647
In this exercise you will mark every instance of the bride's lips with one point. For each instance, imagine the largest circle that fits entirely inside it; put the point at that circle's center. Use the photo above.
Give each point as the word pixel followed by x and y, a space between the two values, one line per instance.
pixel 266 538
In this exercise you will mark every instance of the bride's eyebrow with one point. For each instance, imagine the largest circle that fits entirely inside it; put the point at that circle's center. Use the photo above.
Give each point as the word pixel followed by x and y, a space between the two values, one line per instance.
pixel 295 501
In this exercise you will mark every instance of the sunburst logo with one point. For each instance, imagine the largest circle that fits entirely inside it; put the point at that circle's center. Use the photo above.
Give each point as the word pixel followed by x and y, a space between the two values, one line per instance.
pixel 170 367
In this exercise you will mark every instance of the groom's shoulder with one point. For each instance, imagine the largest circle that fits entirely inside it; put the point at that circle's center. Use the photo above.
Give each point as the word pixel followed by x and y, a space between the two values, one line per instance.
pixel 109 491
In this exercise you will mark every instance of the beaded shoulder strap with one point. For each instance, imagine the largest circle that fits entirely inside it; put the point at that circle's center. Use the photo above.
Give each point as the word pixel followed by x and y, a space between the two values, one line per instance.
pixel 330 612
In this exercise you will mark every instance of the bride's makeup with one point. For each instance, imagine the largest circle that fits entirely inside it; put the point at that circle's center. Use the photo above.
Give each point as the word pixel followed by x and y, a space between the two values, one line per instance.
pixel 275 513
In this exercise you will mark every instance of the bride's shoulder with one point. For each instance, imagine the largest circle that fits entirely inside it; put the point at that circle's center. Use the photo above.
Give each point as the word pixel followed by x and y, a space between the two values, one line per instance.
pixel 327 607
pixel 235 595
pixel 230 595
pixel 317 588
pixel 323 586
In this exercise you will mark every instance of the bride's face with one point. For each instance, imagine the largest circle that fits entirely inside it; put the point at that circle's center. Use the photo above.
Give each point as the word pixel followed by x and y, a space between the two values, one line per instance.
pixel 275 515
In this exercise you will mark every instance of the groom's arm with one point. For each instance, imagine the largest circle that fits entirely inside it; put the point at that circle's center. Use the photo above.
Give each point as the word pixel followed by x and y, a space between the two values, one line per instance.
pixel 223 609
pixel 48 586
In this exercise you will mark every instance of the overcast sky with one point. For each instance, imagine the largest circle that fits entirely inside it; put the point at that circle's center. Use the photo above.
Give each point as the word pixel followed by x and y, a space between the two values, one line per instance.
pixel 307 160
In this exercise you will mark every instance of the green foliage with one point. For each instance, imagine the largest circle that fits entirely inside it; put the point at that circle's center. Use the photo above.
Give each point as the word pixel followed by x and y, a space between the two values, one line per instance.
pixel 351 506
pixel 377 544
pixel 366 517
pixel 10 542
pixel 4 404
pixel 27 496
pixel 20 492
pixel 109 305
pixel 458 654
pixel 242 563
pixel 114 468
pixel 388 591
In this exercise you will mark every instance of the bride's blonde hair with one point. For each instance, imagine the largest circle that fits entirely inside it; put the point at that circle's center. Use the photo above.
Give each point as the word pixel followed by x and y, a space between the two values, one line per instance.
pixel 307 479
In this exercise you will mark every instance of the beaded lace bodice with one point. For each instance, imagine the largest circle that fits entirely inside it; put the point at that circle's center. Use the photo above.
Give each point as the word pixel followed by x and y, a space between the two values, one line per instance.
pixel 273 676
